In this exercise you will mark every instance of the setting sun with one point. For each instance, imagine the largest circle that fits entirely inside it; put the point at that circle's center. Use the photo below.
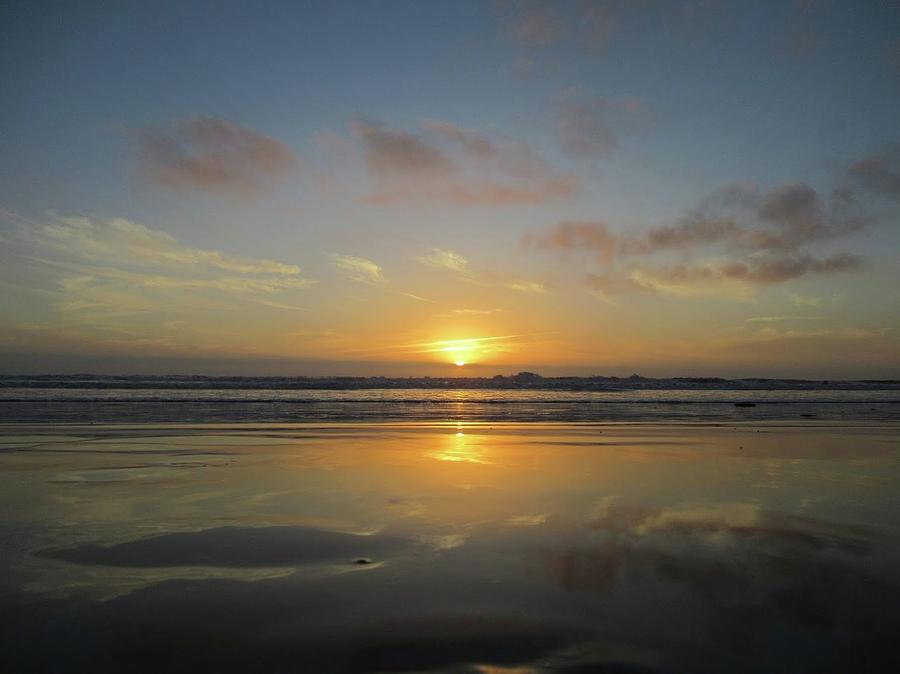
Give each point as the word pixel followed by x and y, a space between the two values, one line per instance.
pixel 469 350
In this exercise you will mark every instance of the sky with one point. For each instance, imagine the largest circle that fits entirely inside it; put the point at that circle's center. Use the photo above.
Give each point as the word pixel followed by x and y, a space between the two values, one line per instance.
pixel 673 188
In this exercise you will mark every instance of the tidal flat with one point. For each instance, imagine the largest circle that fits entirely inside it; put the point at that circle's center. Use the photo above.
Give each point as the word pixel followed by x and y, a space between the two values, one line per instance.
pixel 450 547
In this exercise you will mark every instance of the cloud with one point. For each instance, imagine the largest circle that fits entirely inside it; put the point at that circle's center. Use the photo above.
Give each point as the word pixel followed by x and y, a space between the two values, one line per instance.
pixel 475 312
pixel 769 334
pixel 696 279
pixel 116 282
pixel 452 261
pixel 417 298
pixel 604 286
pixel 797 208
pixel 448 164
pixel 526 286
pixel 392 153
pixel 585 124
pixel 120 240
pixel 687 234
pixel 206 154
pixel 682 281
pixel 879 173
pixel 782 269
pixel 472 142
pixel 780 319
pixel 359 268
pixel 747 218
pixel 805 301
pixel 440 258
pixel 593 237
pixel 743 235
pixel 229 285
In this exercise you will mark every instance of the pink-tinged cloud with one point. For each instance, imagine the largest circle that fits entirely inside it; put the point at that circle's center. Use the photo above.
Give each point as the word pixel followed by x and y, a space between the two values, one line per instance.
pixel 397 153
pixel 451 165
pixel 473 143
pixel 593 237
pixel 741 218
pixel 206 154
pixel 751 237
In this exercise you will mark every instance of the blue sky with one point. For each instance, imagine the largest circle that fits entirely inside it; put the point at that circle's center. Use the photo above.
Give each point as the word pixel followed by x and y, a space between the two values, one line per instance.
pixel 383 131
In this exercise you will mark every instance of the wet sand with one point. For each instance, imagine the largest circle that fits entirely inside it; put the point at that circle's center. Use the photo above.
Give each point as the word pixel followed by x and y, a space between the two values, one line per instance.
pixel 450 547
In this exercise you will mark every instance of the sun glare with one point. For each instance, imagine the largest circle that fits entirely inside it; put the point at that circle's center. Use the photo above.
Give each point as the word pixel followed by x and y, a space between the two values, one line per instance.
pixel 467 351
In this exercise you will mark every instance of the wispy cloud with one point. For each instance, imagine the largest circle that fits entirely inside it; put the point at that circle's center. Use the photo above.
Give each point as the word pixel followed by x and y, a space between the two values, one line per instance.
pixel 526 286
pixel 440 258
pixel 450 165
pixel 781 319
pixel 123 241
pixel 358 268
pixel 110 281
pixel 805 300
pixel 846 333
pixel 472 143
pixel 417 298
pixel 207 154
pixel 476 312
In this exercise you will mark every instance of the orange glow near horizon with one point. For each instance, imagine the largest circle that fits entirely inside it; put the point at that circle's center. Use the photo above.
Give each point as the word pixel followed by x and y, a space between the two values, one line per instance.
pixel 461 352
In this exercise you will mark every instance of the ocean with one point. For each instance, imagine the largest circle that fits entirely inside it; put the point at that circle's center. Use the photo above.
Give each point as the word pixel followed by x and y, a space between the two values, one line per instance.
pixel 98 399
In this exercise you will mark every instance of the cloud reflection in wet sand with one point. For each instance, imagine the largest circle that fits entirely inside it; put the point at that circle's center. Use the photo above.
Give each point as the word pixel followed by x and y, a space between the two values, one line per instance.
pixel 752 578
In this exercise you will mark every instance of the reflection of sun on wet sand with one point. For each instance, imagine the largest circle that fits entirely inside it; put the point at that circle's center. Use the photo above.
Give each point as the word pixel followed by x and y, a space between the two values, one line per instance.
pixel 480 547
pixel 457 447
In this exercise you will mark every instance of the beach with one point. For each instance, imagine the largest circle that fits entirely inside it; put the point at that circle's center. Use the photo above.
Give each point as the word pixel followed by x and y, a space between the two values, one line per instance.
pixel 455 546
